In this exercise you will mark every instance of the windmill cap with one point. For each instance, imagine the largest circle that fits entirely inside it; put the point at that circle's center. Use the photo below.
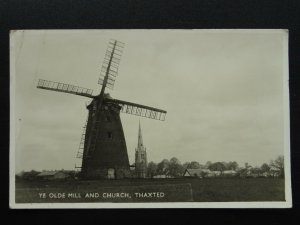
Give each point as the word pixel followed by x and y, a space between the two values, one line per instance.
pixel 107 95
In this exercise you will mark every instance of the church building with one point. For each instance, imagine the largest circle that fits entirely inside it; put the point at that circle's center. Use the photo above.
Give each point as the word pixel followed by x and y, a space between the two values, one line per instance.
pixel 140 157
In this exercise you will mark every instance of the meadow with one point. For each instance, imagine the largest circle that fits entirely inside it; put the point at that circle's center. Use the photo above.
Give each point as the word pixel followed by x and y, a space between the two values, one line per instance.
pixel 152 190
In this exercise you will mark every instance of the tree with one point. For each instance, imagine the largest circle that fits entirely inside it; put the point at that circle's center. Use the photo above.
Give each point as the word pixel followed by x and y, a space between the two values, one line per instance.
pixel 203 174
pixel 194 165
pixel 255 171
pixel 207 164
pixel 186 165
pixel 175 168
pixel 265 168
pixel 242 172
pixel 218 166
pixel 232 166
pixel 278 163
pixel 151 169
pixel 174 160
pixel 226 164
pixel 163 167
pixel 247 166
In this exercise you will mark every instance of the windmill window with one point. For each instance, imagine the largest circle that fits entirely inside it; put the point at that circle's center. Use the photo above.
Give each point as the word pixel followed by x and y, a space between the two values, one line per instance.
pixel 109 135
pixel 108 119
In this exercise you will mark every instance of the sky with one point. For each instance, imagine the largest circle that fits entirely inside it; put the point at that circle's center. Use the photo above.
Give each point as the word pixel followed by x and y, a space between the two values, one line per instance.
pixel 223 91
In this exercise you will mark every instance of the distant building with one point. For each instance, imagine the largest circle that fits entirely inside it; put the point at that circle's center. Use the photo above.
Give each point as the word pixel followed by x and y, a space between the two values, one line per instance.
pixel 140 157
pixel 213 174
pixel 162 176
pixel 229 172
pixel 132 167
pixel 53 175
pixel 200 173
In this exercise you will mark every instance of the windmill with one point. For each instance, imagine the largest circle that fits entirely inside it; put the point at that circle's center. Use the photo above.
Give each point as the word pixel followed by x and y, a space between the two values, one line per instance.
pixel 103 147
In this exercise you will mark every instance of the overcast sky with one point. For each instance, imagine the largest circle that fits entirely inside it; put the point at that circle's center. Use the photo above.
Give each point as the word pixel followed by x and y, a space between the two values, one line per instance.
pixel 222 90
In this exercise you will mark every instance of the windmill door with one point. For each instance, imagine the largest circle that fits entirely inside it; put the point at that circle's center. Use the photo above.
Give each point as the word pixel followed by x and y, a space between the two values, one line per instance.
pixel 111 173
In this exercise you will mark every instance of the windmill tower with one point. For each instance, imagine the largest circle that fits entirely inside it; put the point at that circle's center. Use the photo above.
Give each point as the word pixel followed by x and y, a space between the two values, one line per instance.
pixel 103 147
pixel 140 157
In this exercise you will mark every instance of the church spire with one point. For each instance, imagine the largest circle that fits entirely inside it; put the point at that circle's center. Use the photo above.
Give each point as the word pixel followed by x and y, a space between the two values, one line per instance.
pixel 140 157
pixel 140 138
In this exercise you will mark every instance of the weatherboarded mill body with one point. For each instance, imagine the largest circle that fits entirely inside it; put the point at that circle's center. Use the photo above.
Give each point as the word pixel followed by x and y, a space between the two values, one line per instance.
pixel 106 153
pixel 103 147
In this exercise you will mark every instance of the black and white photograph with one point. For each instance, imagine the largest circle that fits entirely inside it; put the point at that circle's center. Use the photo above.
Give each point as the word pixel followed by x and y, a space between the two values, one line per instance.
pixel 156 118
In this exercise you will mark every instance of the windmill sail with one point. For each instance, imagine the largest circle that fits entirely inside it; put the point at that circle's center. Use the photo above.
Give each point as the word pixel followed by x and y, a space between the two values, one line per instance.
pixel 140 110
pixel 111 63
pixel 67 88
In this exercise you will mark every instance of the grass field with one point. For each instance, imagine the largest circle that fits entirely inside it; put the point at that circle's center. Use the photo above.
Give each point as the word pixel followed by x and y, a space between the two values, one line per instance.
pixel 163 190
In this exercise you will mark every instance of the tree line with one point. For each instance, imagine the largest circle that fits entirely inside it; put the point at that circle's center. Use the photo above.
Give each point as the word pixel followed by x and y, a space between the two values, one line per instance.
pixel 174 168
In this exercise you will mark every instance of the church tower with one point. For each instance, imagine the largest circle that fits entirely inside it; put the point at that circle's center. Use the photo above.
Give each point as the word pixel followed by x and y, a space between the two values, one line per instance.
pixel 140 157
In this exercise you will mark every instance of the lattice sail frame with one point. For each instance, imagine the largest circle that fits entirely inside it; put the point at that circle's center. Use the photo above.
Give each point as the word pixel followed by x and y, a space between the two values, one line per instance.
pixel 67 88
pixel 143 112
pixel 111 63
pixel 139 110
